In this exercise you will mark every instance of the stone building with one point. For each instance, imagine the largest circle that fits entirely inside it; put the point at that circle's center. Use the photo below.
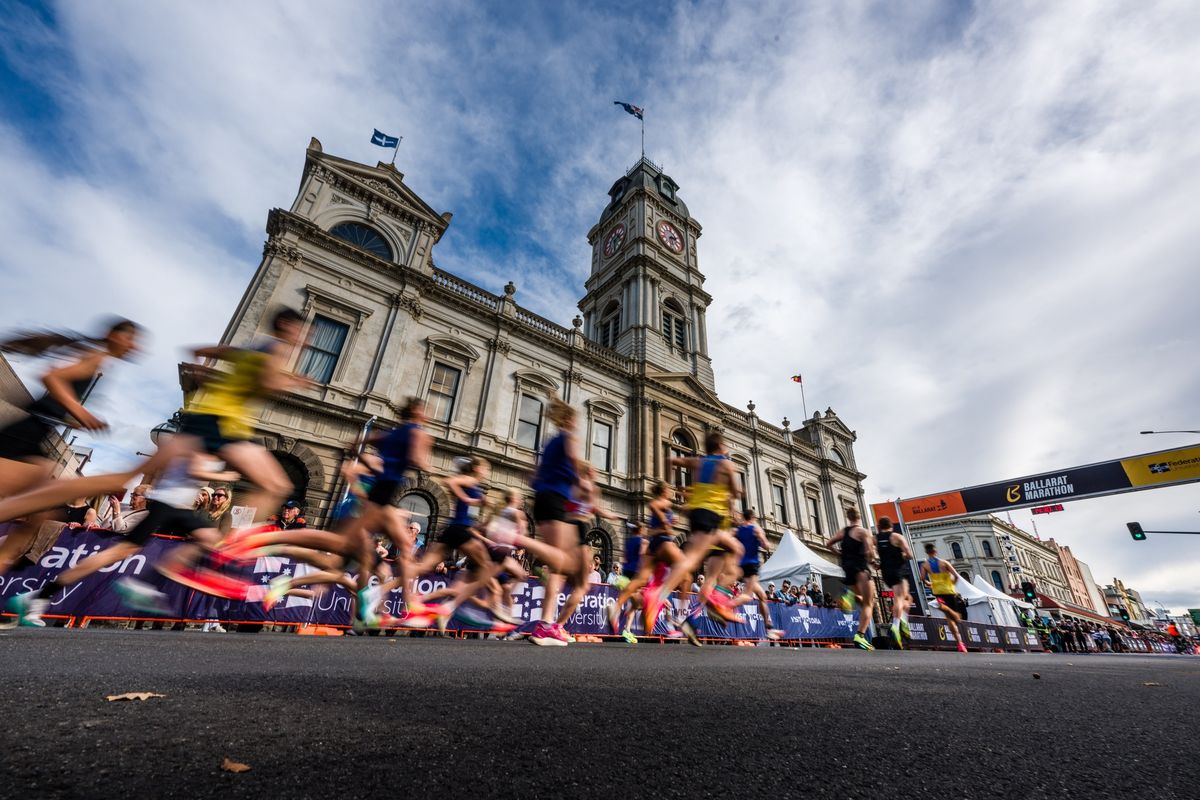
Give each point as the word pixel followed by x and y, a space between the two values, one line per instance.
pixel 1078 577
pixel 1001 552
pixel 355 253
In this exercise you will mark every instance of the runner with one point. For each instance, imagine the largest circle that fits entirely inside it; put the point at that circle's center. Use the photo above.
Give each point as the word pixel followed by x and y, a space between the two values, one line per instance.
pixel 662 554
pixel 754 541
pixel 25 463
pixel 857 548
pixel 555 480
pixel 941 577
pixel 710 506
pixel 581 511
pixel 170 509
pixel 894 556
pixel 633 551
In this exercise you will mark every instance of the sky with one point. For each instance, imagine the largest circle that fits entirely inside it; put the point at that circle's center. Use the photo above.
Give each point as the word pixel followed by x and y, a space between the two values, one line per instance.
pixel 971 227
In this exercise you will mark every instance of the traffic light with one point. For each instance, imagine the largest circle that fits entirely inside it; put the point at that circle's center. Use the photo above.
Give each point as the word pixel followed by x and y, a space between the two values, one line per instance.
pixel 1028 590
pixel 1124 613
pixel 1135 530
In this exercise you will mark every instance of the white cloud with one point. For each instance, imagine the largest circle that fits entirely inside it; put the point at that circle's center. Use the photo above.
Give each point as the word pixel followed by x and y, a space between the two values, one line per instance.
pixel 973 224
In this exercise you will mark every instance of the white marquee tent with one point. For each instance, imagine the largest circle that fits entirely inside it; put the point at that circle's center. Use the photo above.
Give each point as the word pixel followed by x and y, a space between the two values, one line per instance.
pixel 986 606
pixel 1011 604
pixel 794 561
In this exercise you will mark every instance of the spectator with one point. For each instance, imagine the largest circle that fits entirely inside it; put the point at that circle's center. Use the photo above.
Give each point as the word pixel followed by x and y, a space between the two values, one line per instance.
pixel 289 517
pixel 595 576
pixel 204 500
pixel 221 510
pixel 785 592
pixel 772 594
pixel 80 514
pixel 120 522
pixel 802 598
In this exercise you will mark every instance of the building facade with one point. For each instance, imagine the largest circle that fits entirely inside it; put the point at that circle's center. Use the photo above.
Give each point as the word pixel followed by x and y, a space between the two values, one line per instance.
pixel 999 551
pixel 355 253
pixel 1077 582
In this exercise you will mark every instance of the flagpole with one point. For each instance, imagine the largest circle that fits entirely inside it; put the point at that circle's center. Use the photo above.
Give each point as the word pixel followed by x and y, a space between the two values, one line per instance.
pixel 803 402
pixel 396 149
pixel 642 119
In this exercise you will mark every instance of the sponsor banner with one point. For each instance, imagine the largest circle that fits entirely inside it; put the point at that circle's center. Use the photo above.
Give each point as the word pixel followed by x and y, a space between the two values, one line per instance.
pixel 94 597
pixel 1151 470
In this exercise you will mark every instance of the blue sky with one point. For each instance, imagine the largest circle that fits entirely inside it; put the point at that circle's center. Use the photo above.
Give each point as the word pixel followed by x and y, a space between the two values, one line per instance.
pixel 972 224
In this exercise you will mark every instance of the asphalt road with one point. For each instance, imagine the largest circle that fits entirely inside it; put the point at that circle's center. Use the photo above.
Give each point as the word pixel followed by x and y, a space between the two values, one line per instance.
pixel 325 717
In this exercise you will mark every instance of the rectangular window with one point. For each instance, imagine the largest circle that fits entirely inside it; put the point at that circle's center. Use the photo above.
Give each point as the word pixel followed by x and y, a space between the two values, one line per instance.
pixel 814 509
pixel 529 422
pixel 608 332
pixel 673 330
pixel 780 504
pixel 602 446
pixel 443 391
pixel 320 354
pixel 745 501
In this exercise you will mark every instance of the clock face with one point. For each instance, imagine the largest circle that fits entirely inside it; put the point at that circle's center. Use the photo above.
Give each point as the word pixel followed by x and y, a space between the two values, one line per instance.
pixel 612 242
pixel 669 235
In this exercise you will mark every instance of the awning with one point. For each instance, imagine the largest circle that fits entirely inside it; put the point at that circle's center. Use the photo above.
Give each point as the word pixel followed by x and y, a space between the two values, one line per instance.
pixel 1047 602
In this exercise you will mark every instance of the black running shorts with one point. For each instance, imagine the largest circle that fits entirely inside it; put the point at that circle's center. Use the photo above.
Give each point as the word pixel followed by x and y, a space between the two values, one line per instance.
pixel 750 570
pixel 657 541
pixel 383 491
pixel 549 507
pixel 893 576
pixel 163 518
pixel 24 439
pixel 454 536
pixel 701 520
pixel 206 427
pixel 852 573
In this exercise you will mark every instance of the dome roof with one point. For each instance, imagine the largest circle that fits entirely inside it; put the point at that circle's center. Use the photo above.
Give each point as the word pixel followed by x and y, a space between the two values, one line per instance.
pixel 647 175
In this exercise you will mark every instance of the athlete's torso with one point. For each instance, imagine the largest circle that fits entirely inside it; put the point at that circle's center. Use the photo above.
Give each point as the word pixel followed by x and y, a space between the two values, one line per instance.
pixel 940 579
pixel 854 552
pixel 891 557
pixel 229 394
pixel 464 512
pixel 707 492
pixel 747 535
pixel 555 472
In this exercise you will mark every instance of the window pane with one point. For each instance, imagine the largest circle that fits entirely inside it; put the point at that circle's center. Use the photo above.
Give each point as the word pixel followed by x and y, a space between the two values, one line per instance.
pixel 320 353
pixel 443 387
pixel 814 508
pixel 601 445
pixel 780 506
pixel 679 334
pixel 745 491
pixel 529 422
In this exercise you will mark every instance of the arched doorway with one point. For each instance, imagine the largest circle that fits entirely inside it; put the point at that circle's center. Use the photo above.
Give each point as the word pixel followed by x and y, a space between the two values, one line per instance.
pixel 601 544
pixel 422 510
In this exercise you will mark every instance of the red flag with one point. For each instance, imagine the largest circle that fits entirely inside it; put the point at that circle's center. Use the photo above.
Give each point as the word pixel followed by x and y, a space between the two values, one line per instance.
pixel 796 379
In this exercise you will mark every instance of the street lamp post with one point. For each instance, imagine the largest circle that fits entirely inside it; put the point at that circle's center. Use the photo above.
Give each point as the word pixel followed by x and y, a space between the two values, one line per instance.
pixel 1146 433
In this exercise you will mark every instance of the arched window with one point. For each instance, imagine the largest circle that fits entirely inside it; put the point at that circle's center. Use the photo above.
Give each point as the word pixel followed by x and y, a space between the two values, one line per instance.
pixel 601 545
pixel 987 548
pixel 682 446
pixel 674 327
pixel 610 325
pixel 966 576
pixel 420 510
pixel 956 548
pixel 836 457
pixel 364 238
pixel 996 581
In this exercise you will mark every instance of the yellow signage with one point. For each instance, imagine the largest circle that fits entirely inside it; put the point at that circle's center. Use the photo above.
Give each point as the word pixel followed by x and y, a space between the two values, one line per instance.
pixel 1174 466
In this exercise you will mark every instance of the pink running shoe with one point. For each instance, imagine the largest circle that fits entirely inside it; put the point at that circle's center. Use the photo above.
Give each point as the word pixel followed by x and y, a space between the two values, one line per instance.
pixel 962 648
pixel 544 636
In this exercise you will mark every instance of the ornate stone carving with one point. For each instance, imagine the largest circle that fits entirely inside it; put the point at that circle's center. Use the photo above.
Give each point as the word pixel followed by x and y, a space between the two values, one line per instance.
pixel 382 188
pixel 287 444
pixel 412 305
pixel 337 199
pixel 277 248
pixel 572 375
pixel 502 346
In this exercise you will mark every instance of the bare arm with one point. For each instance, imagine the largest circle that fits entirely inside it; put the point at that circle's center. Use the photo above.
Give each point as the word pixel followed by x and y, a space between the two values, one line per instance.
pixel 837 537
pixel 456 483
pixel 868 544
pixel 902 543
pixel 58 386
pixel 763 541
pixel 422 446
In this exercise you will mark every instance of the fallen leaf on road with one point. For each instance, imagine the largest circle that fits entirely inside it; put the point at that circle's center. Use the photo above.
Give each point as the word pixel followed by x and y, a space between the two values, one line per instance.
pixel 1151 683
pixel 234 766
pixel 133 696
pixel 1037 677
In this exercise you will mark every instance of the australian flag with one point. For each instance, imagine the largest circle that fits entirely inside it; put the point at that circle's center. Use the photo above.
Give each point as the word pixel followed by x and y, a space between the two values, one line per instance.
pixel 1158 469
pixel 632 109
pixel 383 140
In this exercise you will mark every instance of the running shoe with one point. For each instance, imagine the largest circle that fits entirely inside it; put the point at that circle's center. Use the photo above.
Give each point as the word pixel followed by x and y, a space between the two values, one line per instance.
pixel 846 601
pixel 544 636
pixel 562 633
pixel 276 590
pixel 905 631
pixel 29 609
pixel 719 602
pixel 419 619
pixel 652 603
pixel 863 643
pixel 628 636
pixel 774 634
pixel 366 610
pixel 142 596
pixel 962 648
pixel 690 632
pixel 206 580
pixel 503 615
pixel 897 637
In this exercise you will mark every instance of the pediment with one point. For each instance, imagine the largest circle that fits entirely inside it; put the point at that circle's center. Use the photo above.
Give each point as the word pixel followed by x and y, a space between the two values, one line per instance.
pixel 383 181
pixel 686 384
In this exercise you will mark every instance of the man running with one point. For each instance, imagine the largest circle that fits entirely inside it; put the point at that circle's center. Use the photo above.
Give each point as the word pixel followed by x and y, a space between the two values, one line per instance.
pixel 754 542
pixel 894 556
pixel 941 577
pixel 857 548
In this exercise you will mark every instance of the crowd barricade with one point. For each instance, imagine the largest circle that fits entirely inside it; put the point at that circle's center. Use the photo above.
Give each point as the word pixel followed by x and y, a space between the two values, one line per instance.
pixel 94 599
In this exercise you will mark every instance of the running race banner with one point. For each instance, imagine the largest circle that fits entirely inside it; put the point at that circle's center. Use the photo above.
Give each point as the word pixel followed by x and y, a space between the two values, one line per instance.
pixel 1135 473
pixel 94 597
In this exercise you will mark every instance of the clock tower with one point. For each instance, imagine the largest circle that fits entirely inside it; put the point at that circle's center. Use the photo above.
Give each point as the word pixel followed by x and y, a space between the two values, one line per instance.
pixel 645 295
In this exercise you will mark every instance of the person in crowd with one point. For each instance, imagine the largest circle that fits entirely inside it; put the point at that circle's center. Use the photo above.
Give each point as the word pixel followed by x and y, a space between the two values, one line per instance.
pixel 220 511
pixel 804 600
pixel 289 517
pixel 595 576
pixel 203 500
pixel 123 522
pixel 772 593
pixel 785 592
pixel 79 514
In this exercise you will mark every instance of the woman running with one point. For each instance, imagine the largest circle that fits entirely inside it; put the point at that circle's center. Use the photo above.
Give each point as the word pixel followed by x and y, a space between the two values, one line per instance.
pixel 754 542
pixel 633 551
pixel 581 512
pixel 556 478
pixel 25 463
